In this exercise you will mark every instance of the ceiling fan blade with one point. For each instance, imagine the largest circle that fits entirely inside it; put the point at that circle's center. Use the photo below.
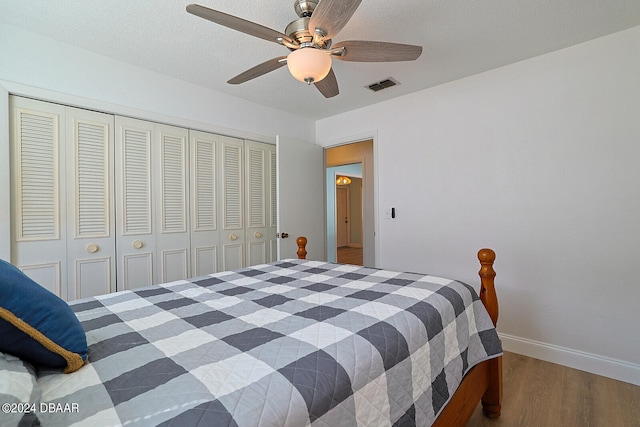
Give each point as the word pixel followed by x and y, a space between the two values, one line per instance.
pixel 259 70
pixel 332 15
pixel 368 51
pixel 238 24
pixel 328 86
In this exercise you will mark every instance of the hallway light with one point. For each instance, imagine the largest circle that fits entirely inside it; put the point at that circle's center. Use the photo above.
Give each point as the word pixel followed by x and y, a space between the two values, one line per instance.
pixel 343 180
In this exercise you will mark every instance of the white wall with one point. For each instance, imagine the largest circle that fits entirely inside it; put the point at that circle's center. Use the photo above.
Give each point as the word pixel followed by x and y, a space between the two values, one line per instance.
pixel 38 67
pixel 539 160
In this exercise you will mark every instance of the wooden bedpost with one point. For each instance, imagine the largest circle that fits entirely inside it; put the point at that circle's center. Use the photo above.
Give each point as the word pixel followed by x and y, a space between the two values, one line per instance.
pixel 302 251
pixel 487 285
pixel 492 398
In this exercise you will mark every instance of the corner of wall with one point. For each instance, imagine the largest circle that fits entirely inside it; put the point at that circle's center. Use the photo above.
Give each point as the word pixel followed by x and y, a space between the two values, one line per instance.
pixel 5 205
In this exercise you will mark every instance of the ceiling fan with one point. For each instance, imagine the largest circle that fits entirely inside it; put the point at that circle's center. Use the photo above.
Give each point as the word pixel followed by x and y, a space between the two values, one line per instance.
pixel 309 39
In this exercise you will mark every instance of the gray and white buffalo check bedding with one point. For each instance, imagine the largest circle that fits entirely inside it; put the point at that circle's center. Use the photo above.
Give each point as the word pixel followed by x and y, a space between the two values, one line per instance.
pixel 292 343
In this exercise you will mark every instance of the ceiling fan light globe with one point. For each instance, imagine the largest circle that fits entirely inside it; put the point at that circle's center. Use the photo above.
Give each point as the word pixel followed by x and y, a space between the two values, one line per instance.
pixel 309 65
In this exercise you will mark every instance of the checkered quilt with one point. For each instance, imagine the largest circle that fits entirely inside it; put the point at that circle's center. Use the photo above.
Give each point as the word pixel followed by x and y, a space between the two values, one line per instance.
pixel 292 343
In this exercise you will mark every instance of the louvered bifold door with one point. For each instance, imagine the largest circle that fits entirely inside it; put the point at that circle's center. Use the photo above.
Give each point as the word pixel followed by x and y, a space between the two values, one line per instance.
pixel 205 246
pixel 38 198
pixel 173 242
pixel 258 213
pixel 90 213
pixel 135 239
pixel 232 233
pixel 272 205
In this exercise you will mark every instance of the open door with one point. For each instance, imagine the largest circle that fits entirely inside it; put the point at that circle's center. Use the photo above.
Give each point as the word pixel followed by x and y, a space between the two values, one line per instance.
pixel 300 197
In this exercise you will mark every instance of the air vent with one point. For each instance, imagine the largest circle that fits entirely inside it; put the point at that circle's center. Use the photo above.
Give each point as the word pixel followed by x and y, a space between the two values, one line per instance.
pixel 383 84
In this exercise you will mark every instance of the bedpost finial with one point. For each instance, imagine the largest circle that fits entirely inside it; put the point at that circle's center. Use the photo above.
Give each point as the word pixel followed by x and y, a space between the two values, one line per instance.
pixel 486 256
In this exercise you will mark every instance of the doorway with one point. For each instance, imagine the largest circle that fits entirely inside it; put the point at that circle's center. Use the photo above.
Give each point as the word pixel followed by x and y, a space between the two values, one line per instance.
pixel 349 220
pixel 344 208
pixel 350 232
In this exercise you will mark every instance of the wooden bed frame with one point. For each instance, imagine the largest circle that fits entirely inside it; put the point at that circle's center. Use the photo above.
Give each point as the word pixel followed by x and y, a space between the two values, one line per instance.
pixel 484 381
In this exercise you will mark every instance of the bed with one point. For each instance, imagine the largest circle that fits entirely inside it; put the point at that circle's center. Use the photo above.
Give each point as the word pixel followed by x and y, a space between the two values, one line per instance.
pixel 295 342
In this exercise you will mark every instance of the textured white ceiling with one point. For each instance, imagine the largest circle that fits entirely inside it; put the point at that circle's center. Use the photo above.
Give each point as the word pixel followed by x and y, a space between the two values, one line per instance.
pixel 459 38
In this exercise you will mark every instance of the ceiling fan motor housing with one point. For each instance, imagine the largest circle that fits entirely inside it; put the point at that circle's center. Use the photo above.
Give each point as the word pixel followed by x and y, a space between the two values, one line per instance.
pixel 298 30
pixel 304 8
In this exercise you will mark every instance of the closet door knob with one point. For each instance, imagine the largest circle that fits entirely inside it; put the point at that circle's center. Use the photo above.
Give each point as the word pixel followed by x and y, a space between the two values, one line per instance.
pixel 257 234
pixel 233 236
pixel 137 244
pixel 92 248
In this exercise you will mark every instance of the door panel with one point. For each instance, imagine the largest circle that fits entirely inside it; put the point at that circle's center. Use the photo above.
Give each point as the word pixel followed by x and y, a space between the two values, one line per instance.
pixel 204 203
pixel 135 242
pixel 92 276
pixel 261 215
pixel 233 255
pixel 47 275
pixel 256 253
pixel 173 242
pixel 232 233
pixel 38 196
pixel 90 219
pixel 136 270
pixel 300 197
pixel 342 216
pixel 205 260
pixel 272 204
pixel 174 265
pixel 63 197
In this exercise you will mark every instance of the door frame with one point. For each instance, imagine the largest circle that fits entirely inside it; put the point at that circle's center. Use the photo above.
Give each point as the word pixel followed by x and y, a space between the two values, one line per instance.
pixel 372 166
pixel 331 175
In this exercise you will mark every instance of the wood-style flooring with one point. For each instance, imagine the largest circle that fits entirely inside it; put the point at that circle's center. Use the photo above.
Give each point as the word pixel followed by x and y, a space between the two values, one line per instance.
pixel 348 255
pixel 538 393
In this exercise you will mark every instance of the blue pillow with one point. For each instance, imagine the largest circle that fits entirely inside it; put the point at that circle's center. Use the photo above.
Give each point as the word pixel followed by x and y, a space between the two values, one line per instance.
pixel 36 325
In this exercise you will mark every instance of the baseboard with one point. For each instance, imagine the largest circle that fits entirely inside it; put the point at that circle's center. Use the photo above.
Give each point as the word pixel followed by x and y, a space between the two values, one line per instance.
pixel 355 245
pixel 593 363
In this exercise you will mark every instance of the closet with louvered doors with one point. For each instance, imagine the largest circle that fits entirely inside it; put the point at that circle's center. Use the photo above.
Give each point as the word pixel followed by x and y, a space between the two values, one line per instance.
pixel 217 224
pixel 103 203
pixel 62 197
pixel 188 203
pixel 248 229
pixel 232 231
pixel 153 232
pixel 233 200
pixel 261 202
